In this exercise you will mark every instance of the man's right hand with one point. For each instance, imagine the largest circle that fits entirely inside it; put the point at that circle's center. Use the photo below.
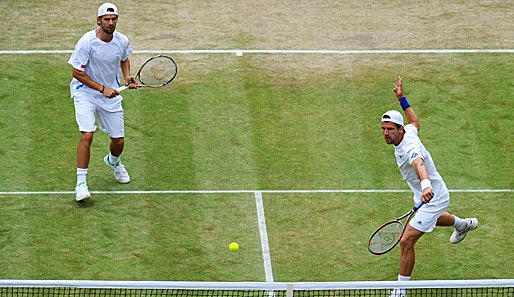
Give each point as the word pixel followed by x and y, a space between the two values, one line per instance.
pixel 110 93
pixel 398 89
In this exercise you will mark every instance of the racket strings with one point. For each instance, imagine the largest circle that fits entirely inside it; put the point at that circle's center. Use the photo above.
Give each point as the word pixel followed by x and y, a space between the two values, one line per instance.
pixel 157 72
pixel 386 237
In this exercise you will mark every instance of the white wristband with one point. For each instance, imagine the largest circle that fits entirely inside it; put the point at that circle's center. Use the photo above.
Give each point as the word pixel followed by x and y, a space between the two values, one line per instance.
pixel 426 184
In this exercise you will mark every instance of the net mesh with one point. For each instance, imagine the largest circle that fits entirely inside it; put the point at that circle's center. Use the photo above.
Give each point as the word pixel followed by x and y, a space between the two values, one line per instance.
pixel 185 289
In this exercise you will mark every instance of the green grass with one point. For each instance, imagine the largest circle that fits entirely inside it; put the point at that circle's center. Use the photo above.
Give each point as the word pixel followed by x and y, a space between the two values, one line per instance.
pixel 329 233
pixel 253 123
pixel 129 238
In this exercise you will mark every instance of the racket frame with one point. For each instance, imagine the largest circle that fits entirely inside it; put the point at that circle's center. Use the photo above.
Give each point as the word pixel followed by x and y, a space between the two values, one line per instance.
pixel 142 84
pixel 408 214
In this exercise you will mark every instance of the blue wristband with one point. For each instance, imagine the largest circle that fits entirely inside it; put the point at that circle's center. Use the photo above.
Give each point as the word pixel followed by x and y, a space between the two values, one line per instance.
pixel 404 103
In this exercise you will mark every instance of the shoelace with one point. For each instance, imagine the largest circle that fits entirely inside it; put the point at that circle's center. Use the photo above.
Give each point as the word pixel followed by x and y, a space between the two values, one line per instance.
pixel 114 166
pixel 120 169
pixel 81 184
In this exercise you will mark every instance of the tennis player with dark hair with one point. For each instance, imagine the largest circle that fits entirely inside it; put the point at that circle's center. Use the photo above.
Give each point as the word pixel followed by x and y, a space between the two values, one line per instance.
pixel 419 171
pixel 97 60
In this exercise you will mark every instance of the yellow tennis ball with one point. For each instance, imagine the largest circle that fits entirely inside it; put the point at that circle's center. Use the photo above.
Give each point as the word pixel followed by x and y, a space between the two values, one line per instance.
pixel 233 246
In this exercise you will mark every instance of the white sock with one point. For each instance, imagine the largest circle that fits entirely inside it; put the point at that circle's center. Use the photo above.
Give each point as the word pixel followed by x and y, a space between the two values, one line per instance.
pixel 402 278
pixel 81 175
pixel 113 159
pixel 459 224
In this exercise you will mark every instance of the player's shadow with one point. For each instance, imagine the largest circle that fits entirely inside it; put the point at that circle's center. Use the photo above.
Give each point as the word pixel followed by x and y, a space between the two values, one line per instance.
pixel 85 203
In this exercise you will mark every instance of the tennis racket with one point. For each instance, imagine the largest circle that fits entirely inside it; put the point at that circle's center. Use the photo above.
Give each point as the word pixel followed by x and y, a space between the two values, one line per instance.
pixel 156 72
pixel 387 236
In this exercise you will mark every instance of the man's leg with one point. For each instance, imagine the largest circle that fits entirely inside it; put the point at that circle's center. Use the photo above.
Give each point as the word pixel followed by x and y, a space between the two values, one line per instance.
pixel 117 145
pixel 84 150
pixel 407 254
pixel 447 219
pixel 83 156
pixel 113 160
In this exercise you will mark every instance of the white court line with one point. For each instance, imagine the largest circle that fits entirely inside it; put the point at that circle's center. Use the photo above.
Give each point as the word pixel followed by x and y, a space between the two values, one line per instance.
pixel 266 257
pixel 241 52
pixel 245 191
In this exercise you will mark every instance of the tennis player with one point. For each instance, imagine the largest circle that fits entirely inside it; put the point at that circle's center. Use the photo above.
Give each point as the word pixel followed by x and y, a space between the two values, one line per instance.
pixel 418 169
pixel 97 59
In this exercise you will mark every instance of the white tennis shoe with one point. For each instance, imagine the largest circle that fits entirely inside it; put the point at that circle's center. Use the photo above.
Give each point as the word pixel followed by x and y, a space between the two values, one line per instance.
pixel 82 192
pixel 120 173
pixel 398 293
pixel 459 235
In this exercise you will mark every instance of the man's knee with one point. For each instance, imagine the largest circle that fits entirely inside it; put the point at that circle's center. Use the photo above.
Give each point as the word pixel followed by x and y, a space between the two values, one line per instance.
pixel 410 237
pixel 118 141
pixel 86 138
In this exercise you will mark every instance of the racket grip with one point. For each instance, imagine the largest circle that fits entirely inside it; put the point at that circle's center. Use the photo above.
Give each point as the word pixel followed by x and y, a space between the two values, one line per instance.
pixel 122 88
pixel 418 205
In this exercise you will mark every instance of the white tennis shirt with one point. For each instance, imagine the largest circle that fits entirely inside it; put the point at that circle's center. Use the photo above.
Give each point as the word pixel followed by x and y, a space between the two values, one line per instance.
pixel 100 60
pixel 409 149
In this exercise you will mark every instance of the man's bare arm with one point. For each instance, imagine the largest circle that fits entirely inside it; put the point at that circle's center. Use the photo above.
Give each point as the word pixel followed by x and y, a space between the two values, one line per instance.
pixel 412 118
pixel 421 170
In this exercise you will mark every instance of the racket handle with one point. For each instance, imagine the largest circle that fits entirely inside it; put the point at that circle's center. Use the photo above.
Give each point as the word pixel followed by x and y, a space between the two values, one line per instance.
pixel 122 88
pixel 419 204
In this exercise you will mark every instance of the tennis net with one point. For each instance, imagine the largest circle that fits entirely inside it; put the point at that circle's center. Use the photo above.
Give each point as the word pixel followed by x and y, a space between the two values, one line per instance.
pixel 497 287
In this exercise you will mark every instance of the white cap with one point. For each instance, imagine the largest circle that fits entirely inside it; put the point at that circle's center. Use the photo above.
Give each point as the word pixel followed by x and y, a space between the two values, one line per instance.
pixel 107 8
pixel 393 116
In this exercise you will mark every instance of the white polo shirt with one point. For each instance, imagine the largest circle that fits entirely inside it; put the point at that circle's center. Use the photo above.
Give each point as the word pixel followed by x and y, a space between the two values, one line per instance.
pixel 409 149
pixel 100 60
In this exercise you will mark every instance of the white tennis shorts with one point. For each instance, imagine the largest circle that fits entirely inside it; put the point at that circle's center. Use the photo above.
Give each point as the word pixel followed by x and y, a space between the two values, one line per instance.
pixel 425 219
pixel 108 113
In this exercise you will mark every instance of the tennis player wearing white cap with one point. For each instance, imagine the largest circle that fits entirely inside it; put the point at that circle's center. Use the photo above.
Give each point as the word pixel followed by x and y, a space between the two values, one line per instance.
pixel 97 60
pixel 419 171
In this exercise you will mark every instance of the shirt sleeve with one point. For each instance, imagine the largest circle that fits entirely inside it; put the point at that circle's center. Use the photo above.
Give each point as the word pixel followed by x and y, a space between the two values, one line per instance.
pixel 414 144
pixel 127 52
pixel 127 48
pixel 80 56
